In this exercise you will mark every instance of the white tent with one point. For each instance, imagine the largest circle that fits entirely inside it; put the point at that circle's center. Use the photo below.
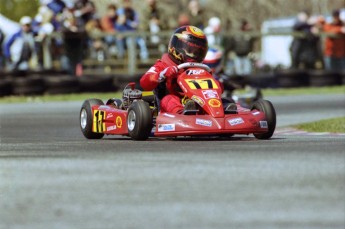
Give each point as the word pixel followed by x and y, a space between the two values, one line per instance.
pixel 8 27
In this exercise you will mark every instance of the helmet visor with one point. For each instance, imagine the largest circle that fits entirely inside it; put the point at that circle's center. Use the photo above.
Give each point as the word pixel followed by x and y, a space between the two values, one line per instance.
pixel 194 52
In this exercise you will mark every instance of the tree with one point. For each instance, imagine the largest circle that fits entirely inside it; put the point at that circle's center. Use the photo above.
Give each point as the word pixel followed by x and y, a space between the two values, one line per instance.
pixel 15 9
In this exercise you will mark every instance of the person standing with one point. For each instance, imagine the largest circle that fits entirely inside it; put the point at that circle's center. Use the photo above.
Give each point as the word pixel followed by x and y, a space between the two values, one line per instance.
pixel 154 19
pixel 213 30
pixel 108 23
pixel 243 46
pixel 305 46
pixel 334 46
pixel 128 21
pixel 2 38
pixel 21 46
pixel 196 14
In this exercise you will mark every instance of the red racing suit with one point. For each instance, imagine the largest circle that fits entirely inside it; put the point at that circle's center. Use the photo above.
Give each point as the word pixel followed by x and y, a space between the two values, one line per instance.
pixel 168 91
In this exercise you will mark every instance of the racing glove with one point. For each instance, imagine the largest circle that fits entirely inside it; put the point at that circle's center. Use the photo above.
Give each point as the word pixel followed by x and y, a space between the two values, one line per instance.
pixel 168 72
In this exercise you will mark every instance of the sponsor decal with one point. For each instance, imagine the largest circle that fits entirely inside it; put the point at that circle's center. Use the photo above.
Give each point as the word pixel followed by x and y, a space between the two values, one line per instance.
pixel 110 115
pixel 203 122
pixel 166 127
pixel 198 100
pixel 118 122
pixel 210 94
pixel 195 71
pixel 214 103
pixel 169 115
pixel 110 128
pixel 263 124
pixel 235 121
pixel 256 113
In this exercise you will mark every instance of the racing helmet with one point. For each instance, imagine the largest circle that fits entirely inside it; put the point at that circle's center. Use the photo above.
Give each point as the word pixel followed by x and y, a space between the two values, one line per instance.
pixel 188 44
pixel 213 59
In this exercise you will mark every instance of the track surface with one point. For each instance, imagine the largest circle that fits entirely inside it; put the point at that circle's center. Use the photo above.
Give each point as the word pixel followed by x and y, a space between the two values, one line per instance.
pixel 51 177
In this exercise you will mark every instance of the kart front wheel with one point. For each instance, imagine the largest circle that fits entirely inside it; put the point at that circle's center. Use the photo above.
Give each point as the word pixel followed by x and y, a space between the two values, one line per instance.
pixel 139 120
pixel 85 119
pixel 270 113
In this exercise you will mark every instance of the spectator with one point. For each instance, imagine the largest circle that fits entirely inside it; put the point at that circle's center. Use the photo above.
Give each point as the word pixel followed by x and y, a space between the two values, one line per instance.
pixel 21 46
pixel 2 38
pixel 242 46
pixel 41 30
pixel 227 45
pixel 213 30
pixel 128 21
pixel 95 32
pixel 56 6
pixel 334 47
pixel 305 50
pixel 48 16
pixel 84 11
pixel 154 19
pixel 183 20
pixel 108 23
pixel 74 39
pixel 196 14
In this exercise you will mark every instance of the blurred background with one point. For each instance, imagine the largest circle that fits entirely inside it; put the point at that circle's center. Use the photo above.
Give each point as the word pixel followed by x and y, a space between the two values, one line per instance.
pixel 71 45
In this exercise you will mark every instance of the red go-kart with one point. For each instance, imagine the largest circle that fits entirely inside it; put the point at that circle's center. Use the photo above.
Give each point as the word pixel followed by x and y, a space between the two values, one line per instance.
pixel 136 115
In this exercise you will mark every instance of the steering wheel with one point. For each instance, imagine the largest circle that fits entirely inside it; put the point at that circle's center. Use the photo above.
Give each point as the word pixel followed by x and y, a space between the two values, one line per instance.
pixel 194 65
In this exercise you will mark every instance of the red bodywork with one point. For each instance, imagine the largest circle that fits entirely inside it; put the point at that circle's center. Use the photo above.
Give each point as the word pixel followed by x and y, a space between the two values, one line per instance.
pixel 200 86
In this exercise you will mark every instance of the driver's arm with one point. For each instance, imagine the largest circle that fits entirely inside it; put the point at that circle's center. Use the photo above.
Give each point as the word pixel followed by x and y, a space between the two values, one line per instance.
pixel 149 80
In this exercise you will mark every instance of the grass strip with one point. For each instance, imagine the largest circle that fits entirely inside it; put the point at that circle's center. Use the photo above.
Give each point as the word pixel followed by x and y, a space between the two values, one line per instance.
pixel 104 96
pixel 334 125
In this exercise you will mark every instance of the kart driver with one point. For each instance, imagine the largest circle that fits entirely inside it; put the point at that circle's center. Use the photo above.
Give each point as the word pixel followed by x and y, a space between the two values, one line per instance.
pixel 187 44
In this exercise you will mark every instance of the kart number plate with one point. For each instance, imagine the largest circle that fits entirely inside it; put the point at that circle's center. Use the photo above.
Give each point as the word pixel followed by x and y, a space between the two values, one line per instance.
pixel 202 84
pixel 98 124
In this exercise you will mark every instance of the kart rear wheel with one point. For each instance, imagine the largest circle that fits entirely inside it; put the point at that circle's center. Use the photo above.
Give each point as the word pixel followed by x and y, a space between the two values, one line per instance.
pixel 85 118
pixel 266 107
pixel 139 120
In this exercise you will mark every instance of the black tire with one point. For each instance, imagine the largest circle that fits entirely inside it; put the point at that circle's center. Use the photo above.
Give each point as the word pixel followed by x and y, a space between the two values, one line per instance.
pixel 33 85
pixel 86 122
pixel 61 84
pixel 96 83
pixel 261 80
pixel 320 78
pixel 266 107
pixel 342 76
pixel 292 78
pixel 5 87
pixel 139 120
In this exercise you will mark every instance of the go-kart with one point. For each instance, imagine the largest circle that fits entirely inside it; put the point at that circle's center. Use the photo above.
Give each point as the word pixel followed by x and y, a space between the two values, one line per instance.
pixel 137 114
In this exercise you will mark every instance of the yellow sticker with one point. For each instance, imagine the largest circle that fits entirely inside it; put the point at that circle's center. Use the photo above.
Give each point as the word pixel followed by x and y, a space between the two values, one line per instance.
pixel 214 103
pixel 202 84
pixel 98 124
pixel 118 122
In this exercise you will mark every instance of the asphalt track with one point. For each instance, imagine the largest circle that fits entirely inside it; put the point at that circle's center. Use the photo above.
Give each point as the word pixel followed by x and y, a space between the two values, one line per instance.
pixel 51 177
